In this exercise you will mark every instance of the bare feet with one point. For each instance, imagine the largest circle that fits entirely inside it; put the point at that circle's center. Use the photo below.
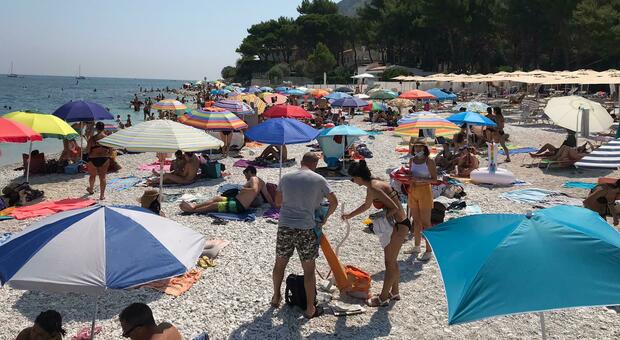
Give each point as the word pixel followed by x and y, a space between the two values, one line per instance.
pixel 313 312
pixel 102 197
pixel 275 301
pixel 187 207
pixel 90 191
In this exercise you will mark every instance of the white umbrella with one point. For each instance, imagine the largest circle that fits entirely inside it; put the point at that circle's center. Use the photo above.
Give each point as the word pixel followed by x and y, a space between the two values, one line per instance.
pixel 363 76
pixel 361 96
pixel 567 112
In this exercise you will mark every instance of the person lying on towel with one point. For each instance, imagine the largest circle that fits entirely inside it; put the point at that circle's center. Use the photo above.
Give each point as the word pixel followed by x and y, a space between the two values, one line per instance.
pixel 187 176
pixel 272 153
pixel 235 203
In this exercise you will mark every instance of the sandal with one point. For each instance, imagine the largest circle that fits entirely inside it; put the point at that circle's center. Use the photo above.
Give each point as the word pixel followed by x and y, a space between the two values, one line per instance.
pixel 376 301
pixel 219 221
pixel 395 297
pixel 318 311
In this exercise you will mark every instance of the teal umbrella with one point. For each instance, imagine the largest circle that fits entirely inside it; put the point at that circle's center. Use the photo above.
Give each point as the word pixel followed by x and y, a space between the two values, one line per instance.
pixel 502 264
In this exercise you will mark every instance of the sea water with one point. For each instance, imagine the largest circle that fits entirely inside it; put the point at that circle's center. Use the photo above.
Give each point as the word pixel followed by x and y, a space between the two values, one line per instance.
pixel 47 93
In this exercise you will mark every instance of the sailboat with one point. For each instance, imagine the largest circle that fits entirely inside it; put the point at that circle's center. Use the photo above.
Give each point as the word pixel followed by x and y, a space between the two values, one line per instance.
pixel 79 75
pixel 11 74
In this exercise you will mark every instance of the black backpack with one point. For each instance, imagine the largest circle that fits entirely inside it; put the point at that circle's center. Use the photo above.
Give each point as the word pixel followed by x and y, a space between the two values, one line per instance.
pixel 295 293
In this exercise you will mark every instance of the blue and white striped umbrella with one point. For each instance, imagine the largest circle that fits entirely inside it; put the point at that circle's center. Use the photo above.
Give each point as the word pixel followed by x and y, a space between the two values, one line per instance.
pixel 98 248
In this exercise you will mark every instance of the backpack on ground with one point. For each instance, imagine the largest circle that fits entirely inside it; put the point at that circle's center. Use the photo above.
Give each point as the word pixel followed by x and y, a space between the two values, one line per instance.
pixel 295 293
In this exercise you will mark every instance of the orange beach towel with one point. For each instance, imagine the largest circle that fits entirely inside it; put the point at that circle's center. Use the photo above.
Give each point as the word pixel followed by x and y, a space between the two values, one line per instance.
pixel 47 208
pixel 175 286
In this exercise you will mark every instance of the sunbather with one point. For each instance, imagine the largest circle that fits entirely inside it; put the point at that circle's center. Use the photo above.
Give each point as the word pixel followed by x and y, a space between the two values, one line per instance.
pixel 568 154
pixel 601 200
pixel 236 204
pixel 467 162
pixel 447 159
pixel 137 322
pixel 548 150
pixel 188 176
pixel 272 153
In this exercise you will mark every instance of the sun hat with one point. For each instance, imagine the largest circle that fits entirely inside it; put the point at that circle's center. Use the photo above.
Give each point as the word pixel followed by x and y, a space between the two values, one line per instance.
pixel 420 141
pixel 148 198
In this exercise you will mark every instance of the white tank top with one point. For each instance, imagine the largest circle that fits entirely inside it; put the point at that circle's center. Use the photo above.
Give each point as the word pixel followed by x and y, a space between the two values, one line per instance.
pixel 420 170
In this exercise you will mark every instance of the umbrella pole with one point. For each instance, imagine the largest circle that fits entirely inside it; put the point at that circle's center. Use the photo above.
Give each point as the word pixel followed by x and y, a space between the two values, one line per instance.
pixel 467 127
pixel 542 325
pixel 29 157
pixel 161 178
pixel 92 325
pixel 280 175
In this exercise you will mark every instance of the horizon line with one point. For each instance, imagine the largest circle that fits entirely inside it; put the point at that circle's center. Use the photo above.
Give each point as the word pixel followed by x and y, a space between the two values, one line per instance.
pixel 95 76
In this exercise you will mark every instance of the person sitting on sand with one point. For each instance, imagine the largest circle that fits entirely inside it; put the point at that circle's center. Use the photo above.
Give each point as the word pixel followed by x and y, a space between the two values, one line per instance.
pixel 602 198
pixel 272 153
pixel 137 323
pixel 447 159
pixel 150 201
pixel 237 204
pixel 48 325
pixel 70 150
pixel 188 176
pixel 467 162
pixel 178 164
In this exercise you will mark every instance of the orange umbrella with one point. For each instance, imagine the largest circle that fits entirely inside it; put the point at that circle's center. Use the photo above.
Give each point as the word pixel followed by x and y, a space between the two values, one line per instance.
pixel 318 93
pixel 416 94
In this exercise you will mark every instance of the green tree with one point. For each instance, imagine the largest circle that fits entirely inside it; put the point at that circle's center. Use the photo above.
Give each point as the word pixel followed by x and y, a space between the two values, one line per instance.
pixel 229 72
pixel 320 7
pixel 392 72
pixel 320 61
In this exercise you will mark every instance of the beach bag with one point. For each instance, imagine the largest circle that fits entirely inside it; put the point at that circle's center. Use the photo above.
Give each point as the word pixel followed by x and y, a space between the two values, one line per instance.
pixel 438 213
pixel 212 170
pixel 295 293
pixel 230 193
pixel 359 282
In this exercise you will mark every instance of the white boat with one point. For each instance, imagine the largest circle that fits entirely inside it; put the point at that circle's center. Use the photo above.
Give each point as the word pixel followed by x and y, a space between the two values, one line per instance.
pixel 11 74
pixel 79 75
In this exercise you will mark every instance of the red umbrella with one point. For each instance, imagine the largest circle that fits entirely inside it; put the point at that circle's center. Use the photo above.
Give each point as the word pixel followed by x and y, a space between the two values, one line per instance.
pixel 287 111
pixel 14 132
pixel 416 94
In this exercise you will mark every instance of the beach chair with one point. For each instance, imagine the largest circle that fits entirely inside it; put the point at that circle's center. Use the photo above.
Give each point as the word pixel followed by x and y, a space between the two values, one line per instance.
pixel 547 164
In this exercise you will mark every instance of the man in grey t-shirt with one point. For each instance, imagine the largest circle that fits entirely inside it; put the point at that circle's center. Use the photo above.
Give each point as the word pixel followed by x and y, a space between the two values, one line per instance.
pixel 299 195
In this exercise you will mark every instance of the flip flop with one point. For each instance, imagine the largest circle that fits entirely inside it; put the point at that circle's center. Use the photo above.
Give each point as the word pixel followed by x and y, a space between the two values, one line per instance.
pixel 317 312
pixel 370 302
pixel 219 221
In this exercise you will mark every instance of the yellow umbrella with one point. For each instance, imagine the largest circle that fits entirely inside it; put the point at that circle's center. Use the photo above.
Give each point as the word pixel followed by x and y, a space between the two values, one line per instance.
pixel 259 104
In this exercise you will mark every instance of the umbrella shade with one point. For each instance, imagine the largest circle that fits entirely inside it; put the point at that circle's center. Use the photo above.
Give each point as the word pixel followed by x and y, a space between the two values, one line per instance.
pixel 259 104
pixel 416 94
pixel 282 131
pixel 567 113
pixel 287 111
pixel 441 95
pixel 472 118
pixel 344 89
pixel 161 136
pixel 375 107
pixel 169 104
pixel 106 247
pixel 343 130
pixel 234 106
pixel 318 93
pixel 48 126
pixel 220 92
pixel 294 92
pixel 607 156
pixel 282 88
pixel 265 89
pixel 213 119
pixel 14 132
pixel 500 264
pixel 337 95
pixel 410 125
pixel 349 102
pixel 274 98
pixel 400 103
pixel 251 89
pixel 82 111
pixel 472 107
pixel 382 94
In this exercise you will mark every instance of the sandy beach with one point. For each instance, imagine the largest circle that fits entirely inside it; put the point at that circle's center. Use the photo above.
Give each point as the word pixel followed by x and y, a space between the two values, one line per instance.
pixel 231 300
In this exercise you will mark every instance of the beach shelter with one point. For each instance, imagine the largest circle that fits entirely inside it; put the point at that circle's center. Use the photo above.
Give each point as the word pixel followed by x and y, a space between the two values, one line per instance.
pixel 318 93
pixel 416 94
pixel 274 98
pixel 294 92
pixel 91 250
pixel 382 94
pixel 250 98
pixel 441 95
pixel 412 124
pixel 14 132
pixel 504 264
pixel 337 95
pixel 349 102
pixel 282 88
pixel 265 89
pixel 161 136
pixel 234 106
pixel 607 156
pixel 334 142
pixel 282 131
pixel 470 118
pixel 213 119
pixel 568 112
pixel 287 111
pixel 472 107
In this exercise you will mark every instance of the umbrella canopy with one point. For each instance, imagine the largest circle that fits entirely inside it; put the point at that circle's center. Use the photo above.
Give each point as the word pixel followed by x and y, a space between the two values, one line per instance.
pixel 259 104
pixel 344 89
pixel 349 102
pixel 106 247
pixel 501 264
pixel 472 107
pixel 274 98
pixel 337 95
pixel 411 125
pixel 363 76
pixel 48 126
pixel 287 111
pixel 14 132
pixel 441 95
pixel 361 96
pixel 382 94
pixel 282 88
pixel 294 92
pixel 282 131
pixel 219 92
pixel 567 113
pixel 82 111
pixel 318 93
pixel 343 130
pixel 376 107
pixel 333 144
pixel 265 89
pixel 471 118
pixel 213 119
pixel 416 94
pixel 234 106
pixel 251 89
pixel 607 156
pixel 400 103
pixel 169 104
pixel 161 136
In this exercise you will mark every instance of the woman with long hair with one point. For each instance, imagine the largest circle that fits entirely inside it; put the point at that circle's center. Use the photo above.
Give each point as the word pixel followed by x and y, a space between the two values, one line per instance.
pixel 497 134
pixel 48 325
pixel 382 196
pixel 98 160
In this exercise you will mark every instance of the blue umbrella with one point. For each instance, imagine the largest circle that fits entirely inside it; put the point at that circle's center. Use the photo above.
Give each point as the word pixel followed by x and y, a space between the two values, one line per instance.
pixel 334 145
pixel 251 89
pixel 441 95
pixel 471 118
pixel 220 92
pixel 294 92
pixel 337 95
pixel 82 111
pixel 266 89
pixel 342 130
pixel 282 88
pixel 502 264
pixel 349 102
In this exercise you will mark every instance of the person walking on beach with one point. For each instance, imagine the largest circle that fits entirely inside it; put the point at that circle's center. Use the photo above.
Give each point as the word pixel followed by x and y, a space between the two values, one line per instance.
pixel 420 198
pixel 299 196
pixel 382 196
pixel 98 160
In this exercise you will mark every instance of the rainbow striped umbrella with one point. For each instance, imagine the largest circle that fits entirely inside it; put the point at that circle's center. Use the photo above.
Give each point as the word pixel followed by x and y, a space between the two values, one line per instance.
pixel 411 125
pixel 234 106
pixel 169 104
pixel 213 119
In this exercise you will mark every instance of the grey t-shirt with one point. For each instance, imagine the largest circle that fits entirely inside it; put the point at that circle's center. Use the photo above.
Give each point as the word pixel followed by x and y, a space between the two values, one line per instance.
pixel 302 194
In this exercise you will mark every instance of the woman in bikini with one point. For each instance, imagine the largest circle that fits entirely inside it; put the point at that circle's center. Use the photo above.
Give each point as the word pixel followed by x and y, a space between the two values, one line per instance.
pixel 382 196
pixel 98 160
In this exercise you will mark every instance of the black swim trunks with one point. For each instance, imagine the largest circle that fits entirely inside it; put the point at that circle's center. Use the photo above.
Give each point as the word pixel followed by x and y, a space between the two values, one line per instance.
pixel 98 161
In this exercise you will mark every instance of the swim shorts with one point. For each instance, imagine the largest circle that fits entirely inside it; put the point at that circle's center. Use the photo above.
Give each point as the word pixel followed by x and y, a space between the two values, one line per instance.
pixel 304 240
pixel 230 205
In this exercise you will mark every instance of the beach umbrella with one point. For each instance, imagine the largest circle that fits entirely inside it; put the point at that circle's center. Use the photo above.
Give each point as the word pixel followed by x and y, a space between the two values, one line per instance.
pixel 282 131
pixel 282 88
pixel 349 102
pixel 416 94
pixel 472 107
pixel 337 95
pixel 294 92
pixel 274 98
pixel 567 112
pixel 220 92
pixel 400 103
pixel 412 124
pixel 382 94
pixel 504 264
pixel 441 95
pixel 91 250
pixel 234 106
pixel 162 136
pixel 344 89
pixel 330 144
pixel 361 96
pixel 287 111
pixel 606 156
pixel 265 89
pixel 318 93
pixel 375 107
pixel 14 132
pixel 169 105
pixel 82 111
pixel 213 119
pixel 251 89
pixel 471 118
pixel 259 104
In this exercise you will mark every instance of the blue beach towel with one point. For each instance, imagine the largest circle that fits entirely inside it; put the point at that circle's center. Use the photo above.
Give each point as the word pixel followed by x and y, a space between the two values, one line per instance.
pixel 373 132
pixel 247 216
pixel 123 183
pixel 518 151
pixel 529 196
pixel 579 185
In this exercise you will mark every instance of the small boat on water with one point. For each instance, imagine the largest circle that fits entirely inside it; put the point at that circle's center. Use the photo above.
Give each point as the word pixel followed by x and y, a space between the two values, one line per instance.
pixel 11 74
pixel 79 75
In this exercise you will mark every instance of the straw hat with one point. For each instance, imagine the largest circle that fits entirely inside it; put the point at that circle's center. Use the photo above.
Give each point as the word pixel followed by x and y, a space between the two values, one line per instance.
pixel 148 198
pixel 420 141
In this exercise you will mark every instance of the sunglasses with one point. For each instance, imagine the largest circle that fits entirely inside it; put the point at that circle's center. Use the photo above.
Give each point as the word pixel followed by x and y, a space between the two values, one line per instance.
pixel 128 332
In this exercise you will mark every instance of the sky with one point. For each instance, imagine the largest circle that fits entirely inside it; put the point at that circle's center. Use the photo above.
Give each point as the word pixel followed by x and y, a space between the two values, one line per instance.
pixel 173 39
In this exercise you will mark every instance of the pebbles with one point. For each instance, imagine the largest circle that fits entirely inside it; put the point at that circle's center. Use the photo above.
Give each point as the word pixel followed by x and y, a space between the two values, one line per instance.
pixel 232 299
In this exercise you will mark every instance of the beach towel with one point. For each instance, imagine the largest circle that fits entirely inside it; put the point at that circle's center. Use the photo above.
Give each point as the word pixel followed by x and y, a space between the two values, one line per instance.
pixel 214 247
pixel 47 208
pixel 518 150
pixel 382 228
pixel 253 145
pixel 579 185
pixel 273 213
pixel 7 212
pixel 243 163
pixel 123 183
pixel 373 132
pixel 530 196
pixel 175 286
pixel 473 210
pixel 155 166
pixel 247 216
pixel 4 237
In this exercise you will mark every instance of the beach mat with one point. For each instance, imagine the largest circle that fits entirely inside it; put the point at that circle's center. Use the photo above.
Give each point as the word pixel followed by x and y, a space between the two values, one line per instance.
pixel 175 286
pixel 123 183
pixel 155 166
pixel 47 208
pixel 244 163
pixel 247 216
pixel 518 150
pixel 579 185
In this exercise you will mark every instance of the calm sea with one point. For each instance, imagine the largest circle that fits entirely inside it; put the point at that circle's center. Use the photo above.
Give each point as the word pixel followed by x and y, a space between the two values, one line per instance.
pixel 47 93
